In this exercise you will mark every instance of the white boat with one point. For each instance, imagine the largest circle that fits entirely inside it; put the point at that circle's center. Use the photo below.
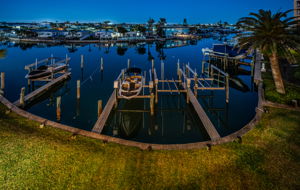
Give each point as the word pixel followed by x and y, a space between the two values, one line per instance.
pixel 131 85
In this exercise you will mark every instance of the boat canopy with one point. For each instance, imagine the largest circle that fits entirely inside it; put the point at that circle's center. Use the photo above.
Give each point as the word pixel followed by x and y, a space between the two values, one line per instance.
pixel 230 50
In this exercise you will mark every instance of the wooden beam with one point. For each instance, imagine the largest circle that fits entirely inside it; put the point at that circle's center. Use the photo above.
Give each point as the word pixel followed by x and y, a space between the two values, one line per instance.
pixel 43 89
pixel 99 125
pixel 210 128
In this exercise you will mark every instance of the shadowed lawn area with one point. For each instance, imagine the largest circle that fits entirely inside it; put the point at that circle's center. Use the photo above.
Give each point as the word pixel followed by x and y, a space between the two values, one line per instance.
pixel 35 158
pixel 292 91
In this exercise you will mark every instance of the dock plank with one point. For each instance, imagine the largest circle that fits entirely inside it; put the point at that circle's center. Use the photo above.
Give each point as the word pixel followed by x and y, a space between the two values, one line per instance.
pixel 209 127
pixel 43 89
pixel 99 125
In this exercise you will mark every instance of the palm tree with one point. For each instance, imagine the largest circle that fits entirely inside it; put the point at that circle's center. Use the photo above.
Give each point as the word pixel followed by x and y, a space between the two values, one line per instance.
pixel 272 35
pixel 150 25
pixel 161 23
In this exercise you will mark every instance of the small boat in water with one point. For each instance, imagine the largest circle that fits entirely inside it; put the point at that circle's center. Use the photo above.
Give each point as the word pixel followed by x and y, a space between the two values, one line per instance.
pixel 44 71
pixel 131 85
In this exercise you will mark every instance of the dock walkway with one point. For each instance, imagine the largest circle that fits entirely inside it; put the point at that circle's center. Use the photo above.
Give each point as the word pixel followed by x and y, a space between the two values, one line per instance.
pixel 99 125
pixel 209 127
pixel 38 92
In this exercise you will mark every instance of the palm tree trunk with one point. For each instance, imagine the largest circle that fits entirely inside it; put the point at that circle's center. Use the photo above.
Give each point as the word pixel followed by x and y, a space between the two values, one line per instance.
pixel 277 74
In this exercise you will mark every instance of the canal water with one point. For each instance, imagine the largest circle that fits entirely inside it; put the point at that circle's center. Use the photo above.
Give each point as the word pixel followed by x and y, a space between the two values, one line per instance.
pixel 174 120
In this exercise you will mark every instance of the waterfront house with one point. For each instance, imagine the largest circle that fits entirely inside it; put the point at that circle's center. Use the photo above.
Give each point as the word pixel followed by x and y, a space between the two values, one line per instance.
pixel 46 33
pixel 171 31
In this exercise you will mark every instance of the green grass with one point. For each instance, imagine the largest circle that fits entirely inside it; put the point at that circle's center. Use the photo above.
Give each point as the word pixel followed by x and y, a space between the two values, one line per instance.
pixel 48 158
pixel 292 91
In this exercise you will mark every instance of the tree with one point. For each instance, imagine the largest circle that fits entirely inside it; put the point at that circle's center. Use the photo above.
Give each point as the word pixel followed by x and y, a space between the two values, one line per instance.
pixel 150 25
pixel 139 28
pixel 271 34
pixel 185 22
pixel 162 21
pixel 160 31
pixel 121 29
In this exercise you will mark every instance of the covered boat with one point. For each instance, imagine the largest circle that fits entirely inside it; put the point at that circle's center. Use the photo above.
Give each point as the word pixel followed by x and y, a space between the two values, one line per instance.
pixel 44 71
pixel 231 51
pixel 131 85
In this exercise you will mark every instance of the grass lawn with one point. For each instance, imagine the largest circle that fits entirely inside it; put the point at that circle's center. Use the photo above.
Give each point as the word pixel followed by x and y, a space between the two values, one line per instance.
pixel 35 158
pixel 292 91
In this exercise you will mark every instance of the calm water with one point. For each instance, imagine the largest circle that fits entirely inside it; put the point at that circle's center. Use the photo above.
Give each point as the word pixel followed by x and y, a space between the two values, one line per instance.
pixel 174 121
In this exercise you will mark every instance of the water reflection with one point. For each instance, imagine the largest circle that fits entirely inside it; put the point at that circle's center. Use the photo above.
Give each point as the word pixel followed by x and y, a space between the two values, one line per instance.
pixel 174 121
pixel 3 53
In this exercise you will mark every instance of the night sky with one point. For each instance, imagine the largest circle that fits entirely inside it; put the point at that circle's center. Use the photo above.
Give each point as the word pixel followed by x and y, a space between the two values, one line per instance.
pixel 135 11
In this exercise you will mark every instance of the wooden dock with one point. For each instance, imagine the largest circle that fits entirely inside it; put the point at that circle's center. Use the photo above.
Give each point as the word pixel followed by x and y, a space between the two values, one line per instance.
pixel 209 127
pixel 182 85
pixel 43 89
pixel 99 125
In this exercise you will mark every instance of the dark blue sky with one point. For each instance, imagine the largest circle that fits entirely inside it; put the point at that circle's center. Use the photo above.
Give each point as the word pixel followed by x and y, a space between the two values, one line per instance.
pixel 196 11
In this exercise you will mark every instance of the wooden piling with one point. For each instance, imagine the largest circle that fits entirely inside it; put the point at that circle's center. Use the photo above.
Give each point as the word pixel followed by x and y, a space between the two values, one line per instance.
pixel 78 89
pixel 178 67
pixel 152 104
pixel 2 81
pixel 128 63
pixel 82 62
pixel 116 87
pixel 152 65
pixel 156 93
pixel 188 85
pixel 36 63
pixel 99 108
pixel 58 109
pixel 22 95
pixel 196 84
pixel 227 89
pixel 101 64
pixel 67 60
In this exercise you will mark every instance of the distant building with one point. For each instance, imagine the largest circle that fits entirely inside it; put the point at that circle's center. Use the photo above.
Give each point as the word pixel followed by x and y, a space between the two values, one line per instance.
pixel 171 31
pixel 297 9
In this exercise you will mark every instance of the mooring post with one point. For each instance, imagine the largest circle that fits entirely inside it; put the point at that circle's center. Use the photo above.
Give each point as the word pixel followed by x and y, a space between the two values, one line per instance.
pixel 202 69
pixel 51 59
pixel 36 63
pixel 116 87
pixel 178 66
pixel 152 65
pixel 151 86
pixel 211 72
pixel 156 91
pixel 58 110
pixel 28 82
pixel 82 62
pixel 196 83
pixel 2 81
pixel 78 89
pixel 66 61
pixel 101 64
pixel 22 97
pixel 152 104
pixel 179 75
pixel 123 74
pixel 188 85
pixel 99 108
pixel 52 73
pixel 128 63
pixel 227 88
